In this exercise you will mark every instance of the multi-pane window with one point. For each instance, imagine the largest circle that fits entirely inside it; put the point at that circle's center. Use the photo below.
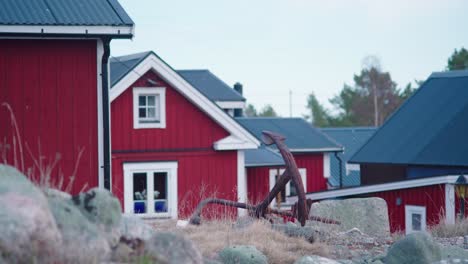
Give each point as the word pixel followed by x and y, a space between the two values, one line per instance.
pixel 151 189
pixel 149 108
pixel 289 189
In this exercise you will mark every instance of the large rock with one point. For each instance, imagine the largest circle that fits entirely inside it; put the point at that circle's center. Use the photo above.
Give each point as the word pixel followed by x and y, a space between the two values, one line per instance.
pixel 242 255
pixel 83 242
pixel 132 227
pixel 315 260
pixel 172 248
pixel 101 208
pixel 28 232
pixel 370 215
pixel 415 248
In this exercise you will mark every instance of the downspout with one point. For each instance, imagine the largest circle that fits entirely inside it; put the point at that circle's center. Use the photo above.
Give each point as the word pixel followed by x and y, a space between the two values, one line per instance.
pixel 106 111
pixel 340 161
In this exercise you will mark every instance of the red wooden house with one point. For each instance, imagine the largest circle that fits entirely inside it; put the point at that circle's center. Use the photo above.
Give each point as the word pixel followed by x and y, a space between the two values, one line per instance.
pixel 171 145
pixel 415 158
pixel 54 87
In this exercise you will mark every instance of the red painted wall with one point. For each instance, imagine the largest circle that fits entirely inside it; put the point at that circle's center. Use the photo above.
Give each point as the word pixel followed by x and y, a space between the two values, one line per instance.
pixel 188 139
pixel 314 165
pixel 258 177
pixel 51 86
pixel 200 175
pixel 187 127
pixel 258 184
pixel 433 197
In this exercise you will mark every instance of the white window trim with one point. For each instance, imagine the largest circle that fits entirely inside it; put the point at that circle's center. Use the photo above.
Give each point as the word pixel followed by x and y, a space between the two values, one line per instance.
pixel 410 209
pixel 161 91
pixel 150 167
pixel 326 165
pixel 272 181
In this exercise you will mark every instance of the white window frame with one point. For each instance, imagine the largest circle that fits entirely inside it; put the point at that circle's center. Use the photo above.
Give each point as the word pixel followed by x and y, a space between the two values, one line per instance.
pixel 151 167
pixel 413 209
pixel 161 92
pixel 272 181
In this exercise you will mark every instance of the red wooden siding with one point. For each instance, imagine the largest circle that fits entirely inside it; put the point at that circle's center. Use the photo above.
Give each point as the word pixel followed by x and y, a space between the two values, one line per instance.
pixel 314 165
pixel 433 197
pixel 258 184
pixel 51 86
pixel 187 127
pixel 200 175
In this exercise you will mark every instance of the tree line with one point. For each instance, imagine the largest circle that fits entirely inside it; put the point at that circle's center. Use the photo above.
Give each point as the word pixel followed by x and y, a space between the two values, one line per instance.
pixel 368 101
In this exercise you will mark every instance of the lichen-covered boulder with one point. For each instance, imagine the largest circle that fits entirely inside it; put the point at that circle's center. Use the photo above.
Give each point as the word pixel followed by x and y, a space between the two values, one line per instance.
pixel 454 253
pixel 101 208
pixel 370 215
pixel 172 248
pixel 415 248
pixel 132 227
pixel 83 242
pixel 315 260
pixel 241 254
pixel 28 232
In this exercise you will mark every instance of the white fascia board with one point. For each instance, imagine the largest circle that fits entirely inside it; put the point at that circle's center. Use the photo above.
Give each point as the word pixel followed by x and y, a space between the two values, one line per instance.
pixel 378 188
pixel 188 91
pixel 231 104
pixel 73 30
pixel 233 143
pixel 317 150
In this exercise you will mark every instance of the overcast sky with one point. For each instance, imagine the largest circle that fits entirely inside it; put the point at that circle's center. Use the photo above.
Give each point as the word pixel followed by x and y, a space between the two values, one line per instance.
pixel 305 46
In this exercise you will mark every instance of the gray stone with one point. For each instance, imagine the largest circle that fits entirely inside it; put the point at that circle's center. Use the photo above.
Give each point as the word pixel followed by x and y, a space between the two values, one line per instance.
pixel 132 227
pixel 83 242
pixel 415 248
pixel 293 230
pixel 240 254
pixel 315 260
pixel 454 252
pixel 27 227
pixel 369 215
pixel 101 208
pixel 175 248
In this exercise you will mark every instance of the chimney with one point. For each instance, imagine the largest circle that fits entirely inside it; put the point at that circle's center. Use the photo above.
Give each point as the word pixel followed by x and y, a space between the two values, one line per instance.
pixel 238 112
pixel 238 87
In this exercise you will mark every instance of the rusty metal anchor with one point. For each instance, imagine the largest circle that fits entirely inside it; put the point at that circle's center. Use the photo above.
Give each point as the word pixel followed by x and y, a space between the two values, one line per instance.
pixel 300 210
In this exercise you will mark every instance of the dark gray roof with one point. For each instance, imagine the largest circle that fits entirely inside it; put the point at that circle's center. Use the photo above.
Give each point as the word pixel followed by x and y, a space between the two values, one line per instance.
pixel 63 12
pixel 262 157
pixel 122 65
pixel 352 139
pixel 300 135
pixel 431 128
pixel 210 85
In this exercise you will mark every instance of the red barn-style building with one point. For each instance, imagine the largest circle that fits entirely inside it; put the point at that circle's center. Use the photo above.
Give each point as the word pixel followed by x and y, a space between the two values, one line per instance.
pixel 171 145
pixel 54 88
pixel 414 160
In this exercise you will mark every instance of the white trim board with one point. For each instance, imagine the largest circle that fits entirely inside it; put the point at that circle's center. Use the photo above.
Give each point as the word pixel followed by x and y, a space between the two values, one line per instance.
pixel 316 150
pixel 231 104
pixel 73 30
pixel 449 204
pixel 241 182
pixel 240 138
pixel 100 118
pixel 378 188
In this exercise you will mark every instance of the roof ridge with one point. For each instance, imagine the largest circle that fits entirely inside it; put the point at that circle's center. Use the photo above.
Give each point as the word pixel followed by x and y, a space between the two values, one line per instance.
pixel 450 74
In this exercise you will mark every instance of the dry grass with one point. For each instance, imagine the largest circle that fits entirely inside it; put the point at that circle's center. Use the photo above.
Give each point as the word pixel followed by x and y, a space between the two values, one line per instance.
pixel 460 228
pixel 213 236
